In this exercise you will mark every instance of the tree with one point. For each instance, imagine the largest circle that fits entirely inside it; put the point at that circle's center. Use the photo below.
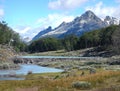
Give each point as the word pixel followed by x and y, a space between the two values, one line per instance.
pixel 106 35
pixel 89 39
pixel 10 38
pixel 45 44
pixel 70 42
pixel 116 40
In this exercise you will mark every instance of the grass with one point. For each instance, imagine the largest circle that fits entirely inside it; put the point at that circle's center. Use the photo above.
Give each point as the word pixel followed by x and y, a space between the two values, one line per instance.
pixel 42 75
pixel 46 82
pixel 102 80
pixel 81 85
pixel 61 53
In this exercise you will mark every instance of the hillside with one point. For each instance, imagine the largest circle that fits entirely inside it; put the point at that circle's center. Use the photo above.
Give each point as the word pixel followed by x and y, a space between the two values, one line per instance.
pixel 6 56
pixel 106 40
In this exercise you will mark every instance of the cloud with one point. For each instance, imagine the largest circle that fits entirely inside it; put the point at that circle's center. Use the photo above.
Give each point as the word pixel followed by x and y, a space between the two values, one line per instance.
pixel 22 29
pixel 54 20
pixel 27 31
pixel 101 10
pixel 65 4
pixel 1 12
pixel 1 9
pixel 31 32
pixel 51 20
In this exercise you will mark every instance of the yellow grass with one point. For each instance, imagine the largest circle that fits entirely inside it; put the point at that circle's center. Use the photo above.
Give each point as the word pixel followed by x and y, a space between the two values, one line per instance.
pixel 98 80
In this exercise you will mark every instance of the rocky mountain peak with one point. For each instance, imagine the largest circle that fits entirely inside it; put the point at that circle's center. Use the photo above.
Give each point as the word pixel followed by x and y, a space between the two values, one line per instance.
pixel 88 21
pixel 107 18
pixel 62 24
pixel 49 28
pixel 111 20
pixel 88 14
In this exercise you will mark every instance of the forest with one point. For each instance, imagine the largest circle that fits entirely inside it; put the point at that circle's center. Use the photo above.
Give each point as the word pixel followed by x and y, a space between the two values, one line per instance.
pixel 106 38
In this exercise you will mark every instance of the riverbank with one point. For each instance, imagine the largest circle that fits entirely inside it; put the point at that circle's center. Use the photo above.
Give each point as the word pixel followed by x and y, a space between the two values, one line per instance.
pixel 65 81
pixel 78 75
pixel 87 52
pixel 7 54
pixel 61 53
pixel 99 72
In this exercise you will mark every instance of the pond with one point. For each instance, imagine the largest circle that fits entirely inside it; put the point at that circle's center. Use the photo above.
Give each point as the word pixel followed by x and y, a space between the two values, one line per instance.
pixel 25 68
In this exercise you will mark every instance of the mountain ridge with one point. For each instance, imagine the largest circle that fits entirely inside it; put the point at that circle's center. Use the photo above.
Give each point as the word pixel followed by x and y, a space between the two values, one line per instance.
pixel 88 21
pixel 42 32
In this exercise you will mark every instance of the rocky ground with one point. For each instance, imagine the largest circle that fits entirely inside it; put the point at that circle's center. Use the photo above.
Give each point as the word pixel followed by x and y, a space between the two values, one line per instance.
pixel 6 56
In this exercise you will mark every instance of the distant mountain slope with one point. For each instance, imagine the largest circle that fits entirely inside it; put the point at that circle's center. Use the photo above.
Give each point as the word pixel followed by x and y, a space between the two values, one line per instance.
pixel 86 22
pixel 42 33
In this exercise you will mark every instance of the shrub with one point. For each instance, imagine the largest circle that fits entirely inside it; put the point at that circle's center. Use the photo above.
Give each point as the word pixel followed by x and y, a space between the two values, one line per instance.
pixel 81 85
pixel 29 72
pixel 85 68
pixel 56 77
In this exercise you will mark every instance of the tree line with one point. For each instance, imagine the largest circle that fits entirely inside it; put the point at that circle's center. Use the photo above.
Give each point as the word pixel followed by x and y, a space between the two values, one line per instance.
pixel 108 38
pixel 10 37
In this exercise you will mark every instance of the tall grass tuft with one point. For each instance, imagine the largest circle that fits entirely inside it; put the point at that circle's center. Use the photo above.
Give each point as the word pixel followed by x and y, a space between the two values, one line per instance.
pixel 81 85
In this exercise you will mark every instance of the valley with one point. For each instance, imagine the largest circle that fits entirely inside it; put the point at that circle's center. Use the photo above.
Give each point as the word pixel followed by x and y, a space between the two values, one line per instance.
pixel 81 55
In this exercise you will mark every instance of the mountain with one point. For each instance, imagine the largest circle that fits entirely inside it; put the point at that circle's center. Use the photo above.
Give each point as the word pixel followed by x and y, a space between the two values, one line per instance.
pixel 86 22
pixel 49 29
pixel 111 20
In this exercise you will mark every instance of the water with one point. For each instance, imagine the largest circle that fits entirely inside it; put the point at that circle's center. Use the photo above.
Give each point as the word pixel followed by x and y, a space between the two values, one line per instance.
pixel 25 68
pixel 53 57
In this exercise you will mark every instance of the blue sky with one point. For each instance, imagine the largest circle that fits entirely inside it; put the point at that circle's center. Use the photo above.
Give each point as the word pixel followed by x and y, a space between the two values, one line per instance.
pixel 28 17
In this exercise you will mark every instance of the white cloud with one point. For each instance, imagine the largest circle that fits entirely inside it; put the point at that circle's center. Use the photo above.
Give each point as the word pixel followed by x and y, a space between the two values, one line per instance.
pixel 65 4
pixel 32 32
pixel 1 9
pixel 1 12
pixel 51 20
pixel 22 29
pixel 27 31
pixel 54 20
pixel 101 10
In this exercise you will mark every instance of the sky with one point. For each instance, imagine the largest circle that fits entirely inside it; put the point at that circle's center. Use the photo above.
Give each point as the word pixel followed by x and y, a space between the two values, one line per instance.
pixel 28 17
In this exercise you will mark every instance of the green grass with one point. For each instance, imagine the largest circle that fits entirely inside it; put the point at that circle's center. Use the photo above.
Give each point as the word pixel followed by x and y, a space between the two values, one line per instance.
pixel 61 53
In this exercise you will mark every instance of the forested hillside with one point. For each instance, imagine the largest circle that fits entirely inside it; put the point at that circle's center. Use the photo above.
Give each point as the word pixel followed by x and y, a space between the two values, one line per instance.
pixel 10 45
pixel 105 38
pixel 10 38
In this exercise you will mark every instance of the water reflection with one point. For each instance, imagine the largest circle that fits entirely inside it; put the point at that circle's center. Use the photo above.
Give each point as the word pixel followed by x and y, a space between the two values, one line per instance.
pixel 25 68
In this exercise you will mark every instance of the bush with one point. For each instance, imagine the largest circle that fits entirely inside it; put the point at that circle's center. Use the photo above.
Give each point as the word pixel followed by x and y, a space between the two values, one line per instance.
pixel 85 68
pixel 56 77
pixel 29 72
pixel 81 85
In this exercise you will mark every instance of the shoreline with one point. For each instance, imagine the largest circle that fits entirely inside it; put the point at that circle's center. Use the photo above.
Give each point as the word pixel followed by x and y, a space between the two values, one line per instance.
pixel 7 66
